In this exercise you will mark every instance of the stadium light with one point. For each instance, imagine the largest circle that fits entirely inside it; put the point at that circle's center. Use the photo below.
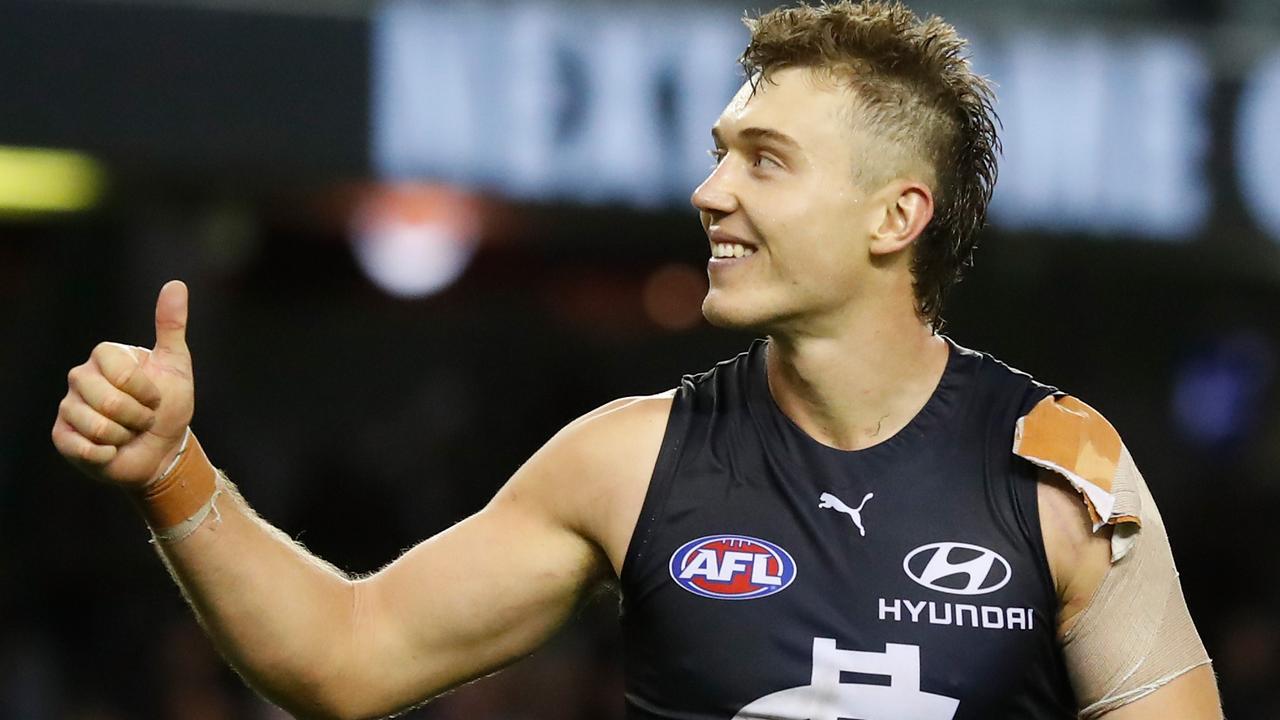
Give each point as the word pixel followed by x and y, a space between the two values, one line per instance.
pixel 36 180
pixel 412 240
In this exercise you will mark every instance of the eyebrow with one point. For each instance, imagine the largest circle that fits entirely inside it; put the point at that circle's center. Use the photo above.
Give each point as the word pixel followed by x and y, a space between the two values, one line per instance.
pixel 759 134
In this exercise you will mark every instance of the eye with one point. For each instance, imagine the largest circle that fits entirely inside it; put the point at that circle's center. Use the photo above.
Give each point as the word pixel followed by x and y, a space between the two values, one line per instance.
pixel 761 161
pixel 717 154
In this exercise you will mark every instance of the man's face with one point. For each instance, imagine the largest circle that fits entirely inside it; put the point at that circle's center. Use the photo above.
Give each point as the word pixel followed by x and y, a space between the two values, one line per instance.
pixel 785 198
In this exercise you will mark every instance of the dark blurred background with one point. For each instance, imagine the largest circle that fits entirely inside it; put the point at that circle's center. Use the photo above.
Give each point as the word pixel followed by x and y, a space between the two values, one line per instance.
pixel 420 237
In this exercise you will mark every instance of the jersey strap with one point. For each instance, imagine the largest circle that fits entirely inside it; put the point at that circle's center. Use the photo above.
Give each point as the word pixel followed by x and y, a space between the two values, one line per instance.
pixel 1065 435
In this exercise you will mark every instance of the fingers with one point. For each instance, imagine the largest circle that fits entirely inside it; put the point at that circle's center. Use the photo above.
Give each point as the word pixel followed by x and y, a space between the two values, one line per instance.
pixel 91 387
pixel 120 366
pixel 94 426
pixel 75 446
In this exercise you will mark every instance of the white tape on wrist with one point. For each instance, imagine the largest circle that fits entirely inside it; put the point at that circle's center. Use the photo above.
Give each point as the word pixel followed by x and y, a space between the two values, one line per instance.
pixel 179 500
pixel 186 440
pixel 184 529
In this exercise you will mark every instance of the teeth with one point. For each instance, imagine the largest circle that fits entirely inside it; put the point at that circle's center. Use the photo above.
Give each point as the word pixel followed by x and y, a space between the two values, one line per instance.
pixel 731 250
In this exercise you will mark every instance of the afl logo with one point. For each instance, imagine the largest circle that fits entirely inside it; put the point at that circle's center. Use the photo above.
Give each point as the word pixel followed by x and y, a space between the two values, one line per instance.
pixel 732 567
pixel 957 568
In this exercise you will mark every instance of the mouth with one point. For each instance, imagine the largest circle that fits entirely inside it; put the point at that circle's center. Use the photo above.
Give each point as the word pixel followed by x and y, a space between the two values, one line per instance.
pixel 727 251
pixel 725 246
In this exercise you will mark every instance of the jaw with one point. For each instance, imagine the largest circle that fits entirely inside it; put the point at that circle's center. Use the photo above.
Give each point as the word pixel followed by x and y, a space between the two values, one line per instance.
pixel 745 309
pixel 730 308
pixel 786 311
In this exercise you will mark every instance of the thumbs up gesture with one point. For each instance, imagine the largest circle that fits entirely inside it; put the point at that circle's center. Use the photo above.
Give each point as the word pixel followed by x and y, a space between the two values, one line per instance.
pixel 127 408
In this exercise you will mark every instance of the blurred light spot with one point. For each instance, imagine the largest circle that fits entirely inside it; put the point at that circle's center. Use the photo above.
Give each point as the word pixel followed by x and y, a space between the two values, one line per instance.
pixel 39 180
pixel 229 236
pixel 673 296
pixel 1257 149
pixel 415 240
pixel 1216 398
pixel 1103 134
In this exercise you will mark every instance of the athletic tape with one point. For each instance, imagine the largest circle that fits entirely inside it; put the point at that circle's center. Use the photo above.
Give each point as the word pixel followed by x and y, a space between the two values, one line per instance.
pixel 1135 635
pixel 185 490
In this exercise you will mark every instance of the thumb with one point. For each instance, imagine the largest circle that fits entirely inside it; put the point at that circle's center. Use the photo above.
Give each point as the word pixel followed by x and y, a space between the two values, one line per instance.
pixel 171 318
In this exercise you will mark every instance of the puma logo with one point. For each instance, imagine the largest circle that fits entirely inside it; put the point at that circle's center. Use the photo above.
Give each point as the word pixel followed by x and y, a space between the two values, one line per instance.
pixel 831 501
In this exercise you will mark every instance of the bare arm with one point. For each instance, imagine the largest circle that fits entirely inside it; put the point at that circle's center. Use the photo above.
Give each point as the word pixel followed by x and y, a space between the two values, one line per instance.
pixel 1192 695
pixel 320 644
pixel 507 577
pixel 457 606
pixel 1080 560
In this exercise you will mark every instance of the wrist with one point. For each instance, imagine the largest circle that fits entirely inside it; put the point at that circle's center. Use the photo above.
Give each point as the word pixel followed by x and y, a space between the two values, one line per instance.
pixel 182 493
pixel 170 461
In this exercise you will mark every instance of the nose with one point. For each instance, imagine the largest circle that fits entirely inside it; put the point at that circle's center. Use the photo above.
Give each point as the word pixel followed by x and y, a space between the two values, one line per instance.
pixel 715 196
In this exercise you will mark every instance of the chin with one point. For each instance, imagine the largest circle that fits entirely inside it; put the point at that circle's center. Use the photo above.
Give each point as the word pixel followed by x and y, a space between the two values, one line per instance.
pixel 731 316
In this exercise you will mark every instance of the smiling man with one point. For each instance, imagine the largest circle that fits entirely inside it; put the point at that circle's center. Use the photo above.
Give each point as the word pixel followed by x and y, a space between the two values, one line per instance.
pixel 856 517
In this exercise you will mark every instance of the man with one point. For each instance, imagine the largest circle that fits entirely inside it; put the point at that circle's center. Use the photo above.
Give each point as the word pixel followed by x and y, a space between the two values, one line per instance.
pixel 856 518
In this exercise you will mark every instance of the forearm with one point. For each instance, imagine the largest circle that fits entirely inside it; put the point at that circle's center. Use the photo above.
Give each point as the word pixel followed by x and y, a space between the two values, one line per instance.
pixel 282 617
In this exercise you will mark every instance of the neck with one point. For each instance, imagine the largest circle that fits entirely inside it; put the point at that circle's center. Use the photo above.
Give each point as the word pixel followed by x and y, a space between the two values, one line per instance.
pixel 857 387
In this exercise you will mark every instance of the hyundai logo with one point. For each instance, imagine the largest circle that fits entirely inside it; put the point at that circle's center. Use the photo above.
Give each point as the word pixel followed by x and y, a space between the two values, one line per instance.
pixel 957 568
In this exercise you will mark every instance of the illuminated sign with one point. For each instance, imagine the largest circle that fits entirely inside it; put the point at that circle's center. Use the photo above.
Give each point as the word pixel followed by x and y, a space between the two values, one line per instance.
pixel 1101 136
pixel 544 101
pixel 1258 145
pixel 1103 133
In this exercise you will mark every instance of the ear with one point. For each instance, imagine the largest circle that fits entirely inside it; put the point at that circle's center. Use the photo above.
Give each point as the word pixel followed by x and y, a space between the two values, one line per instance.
pixel 906 209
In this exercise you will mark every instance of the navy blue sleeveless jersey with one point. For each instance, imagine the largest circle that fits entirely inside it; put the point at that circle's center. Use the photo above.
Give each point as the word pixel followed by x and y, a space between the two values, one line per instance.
pixel 772 576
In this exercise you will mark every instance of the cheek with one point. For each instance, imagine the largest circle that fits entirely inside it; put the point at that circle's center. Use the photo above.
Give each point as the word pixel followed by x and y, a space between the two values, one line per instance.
pixel 810 231
pixel 784 221
pixel 814 236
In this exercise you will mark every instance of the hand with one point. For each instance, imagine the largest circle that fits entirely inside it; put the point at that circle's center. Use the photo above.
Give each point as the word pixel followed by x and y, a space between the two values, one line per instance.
pixel 127 408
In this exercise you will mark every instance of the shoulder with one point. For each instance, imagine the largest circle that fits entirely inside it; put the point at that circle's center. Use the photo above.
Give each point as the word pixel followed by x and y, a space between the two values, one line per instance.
pixel 1066 436
pixel 601 442
pixel 594 473
pixel 1087 492
pixel 1123 625
pixel 724 382
pixel 1005 378
pixel 636 408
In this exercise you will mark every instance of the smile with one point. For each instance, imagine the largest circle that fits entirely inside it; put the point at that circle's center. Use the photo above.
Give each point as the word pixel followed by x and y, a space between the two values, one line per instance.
pixel 731 250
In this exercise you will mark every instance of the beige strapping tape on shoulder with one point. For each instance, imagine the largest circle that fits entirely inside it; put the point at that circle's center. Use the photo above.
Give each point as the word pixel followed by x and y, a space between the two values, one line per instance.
pixel 1136 634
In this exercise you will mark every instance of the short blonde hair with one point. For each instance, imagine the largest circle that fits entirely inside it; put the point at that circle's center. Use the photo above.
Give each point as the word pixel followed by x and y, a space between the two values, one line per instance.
pixel 915 89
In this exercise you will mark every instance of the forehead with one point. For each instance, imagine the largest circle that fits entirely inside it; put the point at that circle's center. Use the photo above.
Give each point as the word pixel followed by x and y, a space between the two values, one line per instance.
pixel 795 101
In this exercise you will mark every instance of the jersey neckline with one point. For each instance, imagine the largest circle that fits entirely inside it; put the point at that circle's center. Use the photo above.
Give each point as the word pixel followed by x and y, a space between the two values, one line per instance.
pixel 940 405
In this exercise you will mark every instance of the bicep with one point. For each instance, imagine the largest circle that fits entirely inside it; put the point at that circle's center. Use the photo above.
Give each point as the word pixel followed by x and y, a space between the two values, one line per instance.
pixel 1129 644
pixel 496 585
pixel 469 600
pixel 475 597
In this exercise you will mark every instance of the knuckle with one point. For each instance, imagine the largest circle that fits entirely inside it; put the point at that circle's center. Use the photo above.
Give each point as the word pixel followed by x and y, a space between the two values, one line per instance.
pixel 102 429
pixel 111 404
pixel 68 409
pixel 123 377
pixel 80 374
